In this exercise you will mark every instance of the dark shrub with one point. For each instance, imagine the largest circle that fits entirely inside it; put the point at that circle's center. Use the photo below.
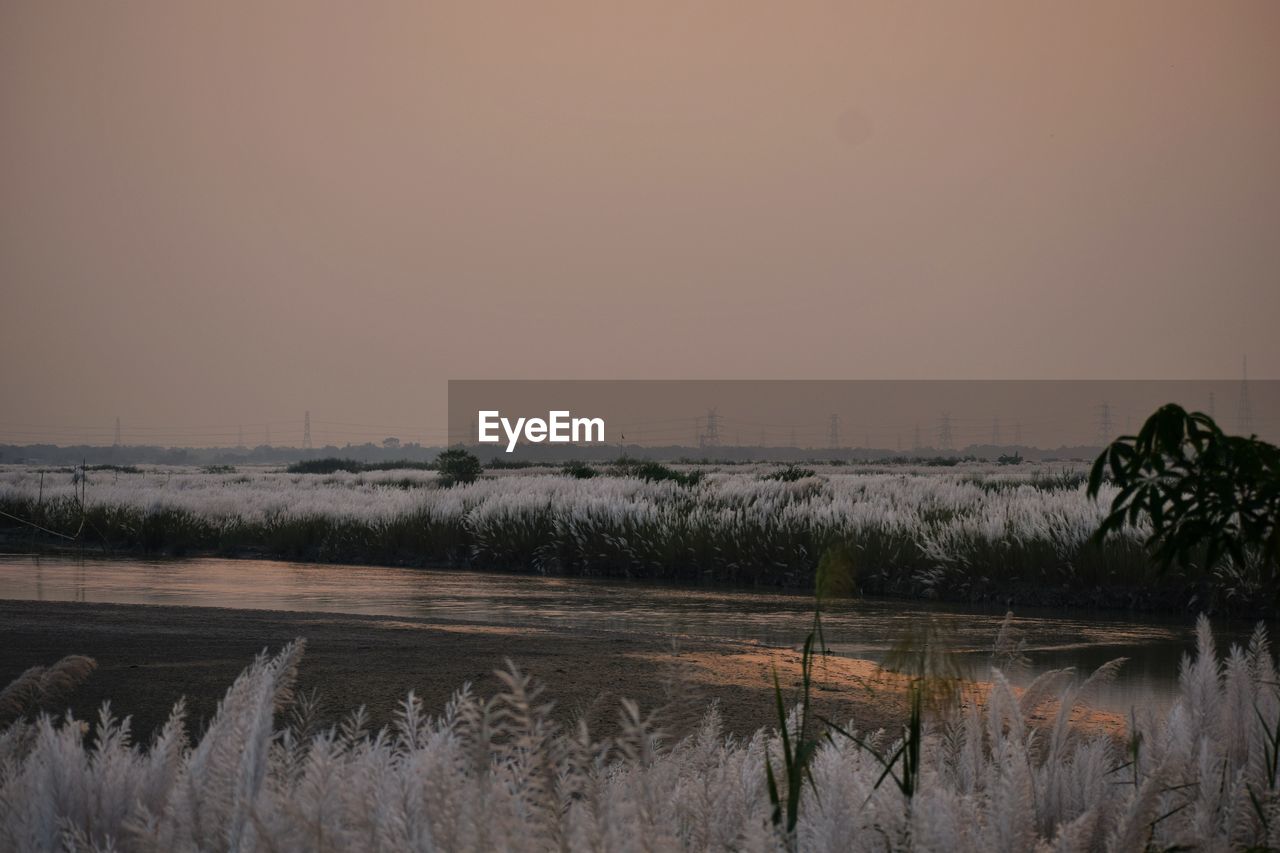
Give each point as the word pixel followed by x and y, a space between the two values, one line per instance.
pixel 654 472
pixel 328 465
pixel 457 466
pixel 789 474
pixel 579 470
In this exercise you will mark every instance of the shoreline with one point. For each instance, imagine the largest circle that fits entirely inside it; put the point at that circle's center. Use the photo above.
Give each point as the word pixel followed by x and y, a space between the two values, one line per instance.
pixel 1117 600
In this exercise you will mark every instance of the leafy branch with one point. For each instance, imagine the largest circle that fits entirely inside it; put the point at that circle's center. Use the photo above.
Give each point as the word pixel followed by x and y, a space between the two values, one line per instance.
pixel 1207 495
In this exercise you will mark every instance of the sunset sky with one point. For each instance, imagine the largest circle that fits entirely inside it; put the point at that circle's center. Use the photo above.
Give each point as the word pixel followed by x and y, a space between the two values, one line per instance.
pixel 232 212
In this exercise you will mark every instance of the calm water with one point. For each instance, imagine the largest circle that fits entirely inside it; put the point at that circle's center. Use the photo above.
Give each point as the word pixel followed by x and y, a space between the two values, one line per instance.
pixel 864 628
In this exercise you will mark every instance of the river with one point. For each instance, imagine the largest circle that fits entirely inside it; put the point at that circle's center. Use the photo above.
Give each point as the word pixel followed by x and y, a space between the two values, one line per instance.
pixel 857 628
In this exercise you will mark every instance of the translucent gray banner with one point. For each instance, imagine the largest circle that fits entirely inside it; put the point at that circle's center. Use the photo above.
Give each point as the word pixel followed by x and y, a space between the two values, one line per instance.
pixel 836 419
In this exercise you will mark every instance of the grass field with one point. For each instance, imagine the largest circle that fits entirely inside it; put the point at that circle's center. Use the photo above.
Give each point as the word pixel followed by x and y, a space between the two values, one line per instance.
pixel 969 532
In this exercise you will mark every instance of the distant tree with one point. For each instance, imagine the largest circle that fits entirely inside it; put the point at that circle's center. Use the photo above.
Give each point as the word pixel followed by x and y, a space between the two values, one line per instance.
pixel 1207 495
pixel 457 466
pixel 391 443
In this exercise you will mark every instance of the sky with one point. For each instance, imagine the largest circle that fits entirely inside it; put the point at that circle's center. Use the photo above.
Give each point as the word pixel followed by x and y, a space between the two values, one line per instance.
pixel 230 213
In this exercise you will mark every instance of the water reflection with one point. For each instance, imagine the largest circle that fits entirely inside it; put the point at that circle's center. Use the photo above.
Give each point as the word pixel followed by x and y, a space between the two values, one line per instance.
pixel 856 628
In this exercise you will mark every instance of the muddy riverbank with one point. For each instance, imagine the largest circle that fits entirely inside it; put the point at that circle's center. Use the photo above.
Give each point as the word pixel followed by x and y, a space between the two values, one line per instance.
pixel 148 656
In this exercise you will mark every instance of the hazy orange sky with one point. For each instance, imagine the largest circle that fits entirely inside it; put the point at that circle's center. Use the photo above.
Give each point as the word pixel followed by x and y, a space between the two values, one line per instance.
pixel 229 212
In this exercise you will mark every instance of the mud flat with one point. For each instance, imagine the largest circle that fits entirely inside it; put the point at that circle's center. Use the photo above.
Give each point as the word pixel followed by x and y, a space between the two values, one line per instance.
pixel 148 656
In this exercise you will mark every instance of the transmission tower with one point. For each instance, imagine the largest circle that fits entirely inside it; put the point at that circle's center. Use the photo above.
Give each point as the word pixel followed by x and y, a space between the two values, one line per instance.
pixel 306 431
pixel 1017 434
pixel 1244 409
pixel 793 437
pixel 944 431
pixel 833 432
pixel 268 435
pixel 995 431
pixel 1104 424
pixel 240 436
pixel 116 441
pixel 713 428
pixel 915 441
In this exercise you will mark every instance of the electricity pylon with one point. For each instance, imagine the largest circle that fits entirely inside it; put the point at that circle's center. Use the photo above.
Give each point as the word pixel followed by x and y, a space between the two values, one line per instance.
pixel 1244 409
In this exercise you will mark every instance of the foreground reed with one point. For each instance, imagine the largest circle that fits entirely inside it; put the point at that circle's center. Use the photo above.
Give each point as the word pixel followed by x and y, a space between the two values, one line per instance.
pixel 500 774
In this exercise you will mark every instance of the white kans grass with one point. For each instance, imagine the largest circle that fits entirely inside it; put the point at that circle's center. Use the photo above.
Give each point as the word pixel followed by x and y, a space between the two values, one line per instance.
pixel 253 496
pixel 964 523
pixel 499 774
pixel 937 508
